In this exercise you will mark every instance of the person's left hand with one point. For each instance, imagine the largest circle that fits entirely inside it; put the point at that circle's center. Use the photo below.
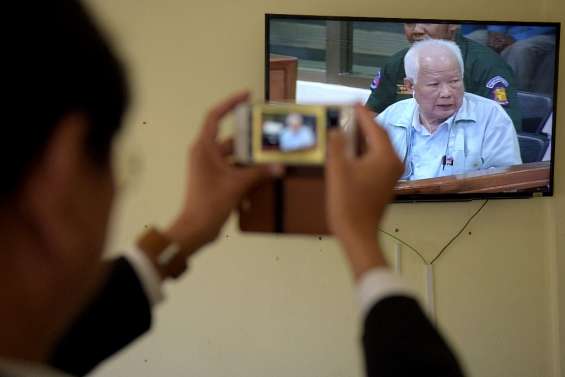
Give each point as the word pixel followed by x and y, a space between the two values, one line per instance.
pixel 215 186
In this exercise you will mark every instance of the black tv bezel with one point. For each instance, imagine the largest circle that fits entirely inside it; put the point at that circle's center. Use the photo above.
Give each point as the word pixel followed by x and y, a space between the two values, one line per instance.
pixel 442 197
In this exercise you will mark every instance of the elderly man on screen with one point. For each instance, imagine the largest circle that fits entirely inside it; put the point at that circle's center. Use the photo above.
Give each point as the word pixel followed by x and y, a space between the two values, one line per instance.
pixel 296 135
pixel 486 73
pixel 443 130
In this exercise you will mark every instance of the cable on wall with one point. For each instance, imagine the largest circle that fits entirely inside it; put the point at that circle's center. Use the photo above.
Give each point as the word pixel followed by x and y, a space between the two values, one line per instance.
pixel 459 232
pixel 405 244
pixel 430 295
pixel 397 248
pixel 446 246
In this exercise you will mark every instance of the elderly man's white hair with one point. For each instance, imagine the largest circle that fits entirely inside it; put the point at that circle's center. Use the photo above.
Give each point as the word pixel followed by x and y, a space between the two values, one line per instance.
pixel 412 57
pixel 294 118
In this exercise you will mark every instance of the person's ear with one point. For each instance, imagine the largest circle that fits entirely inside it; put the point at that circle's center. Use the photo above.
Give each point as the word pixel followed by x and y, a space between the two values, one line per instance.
pixel 47 193
pixel 409 84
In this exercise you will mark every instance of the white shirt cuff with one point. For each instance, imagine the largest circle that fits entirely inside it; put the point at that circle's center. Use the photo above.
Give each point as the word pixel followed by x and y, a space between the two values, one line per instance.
pixel 147 274
pixel 377 284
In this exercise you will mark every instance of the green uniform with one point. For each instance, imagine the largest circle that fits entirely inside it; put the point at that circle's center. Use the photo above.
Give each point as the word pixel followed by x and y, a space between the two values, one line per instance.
pixel 486 75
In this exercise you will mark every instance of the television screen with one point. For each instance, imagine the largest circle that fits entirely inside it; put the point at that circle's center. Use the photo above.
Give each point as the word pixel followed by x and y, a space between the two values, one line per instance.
pixel 468 105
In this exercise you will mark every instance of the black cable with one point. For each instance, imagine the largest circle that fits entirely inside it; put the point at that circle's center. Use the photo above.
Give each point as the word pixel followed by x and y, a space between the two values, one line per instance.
pixel 446 245
pixel 460 231
pixel 405 244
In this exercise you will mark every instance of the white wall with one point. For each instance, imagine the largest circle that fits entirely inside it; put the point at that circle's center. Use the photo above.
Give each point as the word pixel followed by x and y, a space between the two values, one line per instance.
pixel 258 305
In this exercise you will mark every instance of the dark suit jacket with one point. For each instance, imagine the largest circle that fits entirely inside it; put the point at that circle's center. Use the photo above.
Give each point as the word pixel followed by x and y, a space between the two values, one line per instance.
pixel 398 339
pixel 118 314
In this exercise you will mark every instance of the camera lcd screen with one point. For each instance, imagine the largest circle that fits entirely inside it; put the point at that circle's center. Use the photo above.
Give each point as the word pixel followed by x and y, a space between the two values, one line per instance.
pixel 288 133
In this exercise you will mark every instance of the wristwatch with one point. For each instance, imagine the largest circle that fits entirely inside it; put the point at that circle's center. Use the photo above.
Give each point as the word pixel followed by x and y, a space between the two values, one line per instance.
pixel 166 255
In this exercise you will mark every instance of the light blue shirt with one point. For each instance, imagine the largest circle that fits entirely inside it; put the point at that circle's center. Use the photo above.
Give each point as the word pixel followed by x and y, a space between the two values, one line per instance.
pixel 480 135
pixel 292 140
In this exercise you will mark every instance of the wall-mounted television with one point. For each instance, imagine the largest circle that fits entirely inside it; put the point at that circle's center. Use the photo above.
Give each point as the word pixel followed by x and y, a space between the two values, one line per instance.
pixel 497 138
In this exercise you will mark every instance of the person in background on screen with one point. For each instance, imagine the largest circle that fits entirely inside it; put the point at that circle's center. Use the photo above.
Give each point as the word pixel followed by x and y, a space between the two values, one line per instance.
pixel 475 32
pixel 443 130
pixel 486 73
pixel 530 51
pixel 63 309
pixel 296 135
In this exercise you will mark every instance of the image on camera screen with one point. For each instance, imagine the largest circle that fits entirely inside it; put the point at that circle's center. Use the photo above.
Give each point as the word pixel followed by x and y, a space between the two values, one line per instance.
pixel 288 132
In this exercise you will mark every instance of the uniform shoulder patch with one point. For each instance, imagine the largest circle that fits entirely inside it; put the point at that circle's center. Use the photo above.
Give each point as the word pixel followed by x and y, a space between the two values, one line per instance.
pixel 497 90
pixel 376 81
pixel 497 81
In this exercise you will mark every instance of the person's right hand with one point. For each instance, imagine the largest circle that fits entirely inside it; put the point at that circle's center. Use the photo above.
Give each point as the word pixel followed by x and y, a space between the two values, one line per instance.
pixel 215 185
pixel 358 189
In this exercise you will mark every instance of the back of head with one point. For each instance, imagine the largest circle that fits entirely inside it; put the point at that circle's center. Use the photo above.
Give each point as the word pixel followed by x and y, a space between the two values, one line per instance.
pixel 433 48
pixel 58 63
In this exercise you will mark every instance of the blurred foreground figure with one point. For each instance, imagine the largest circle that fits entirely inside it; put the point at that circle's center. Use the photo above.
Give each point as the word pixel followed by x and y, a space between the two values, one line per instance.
pixel 63 310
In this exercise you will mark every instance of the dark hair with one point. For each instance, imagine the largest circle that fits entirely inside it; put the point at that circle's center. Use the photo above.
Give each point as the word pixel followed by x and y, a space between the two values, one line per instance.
pixel 58 63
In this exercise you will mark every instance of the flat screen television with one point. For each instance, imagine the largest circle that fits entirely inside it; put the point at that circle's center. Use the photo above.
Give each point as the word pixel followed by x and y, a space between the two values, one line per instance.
pixel 476 152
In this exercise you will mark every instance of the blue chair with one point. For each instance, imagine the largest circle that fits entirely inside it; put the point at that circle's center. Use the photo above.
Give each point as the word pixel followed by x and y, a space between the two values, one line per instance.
pixel 532 146
pixel 535 108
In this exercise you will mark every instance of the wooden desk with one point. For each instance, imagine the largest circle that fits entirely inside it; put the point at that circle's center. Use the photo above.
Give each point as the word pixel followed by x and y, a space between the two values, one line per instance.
pixel 512 179
pixel 302 209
